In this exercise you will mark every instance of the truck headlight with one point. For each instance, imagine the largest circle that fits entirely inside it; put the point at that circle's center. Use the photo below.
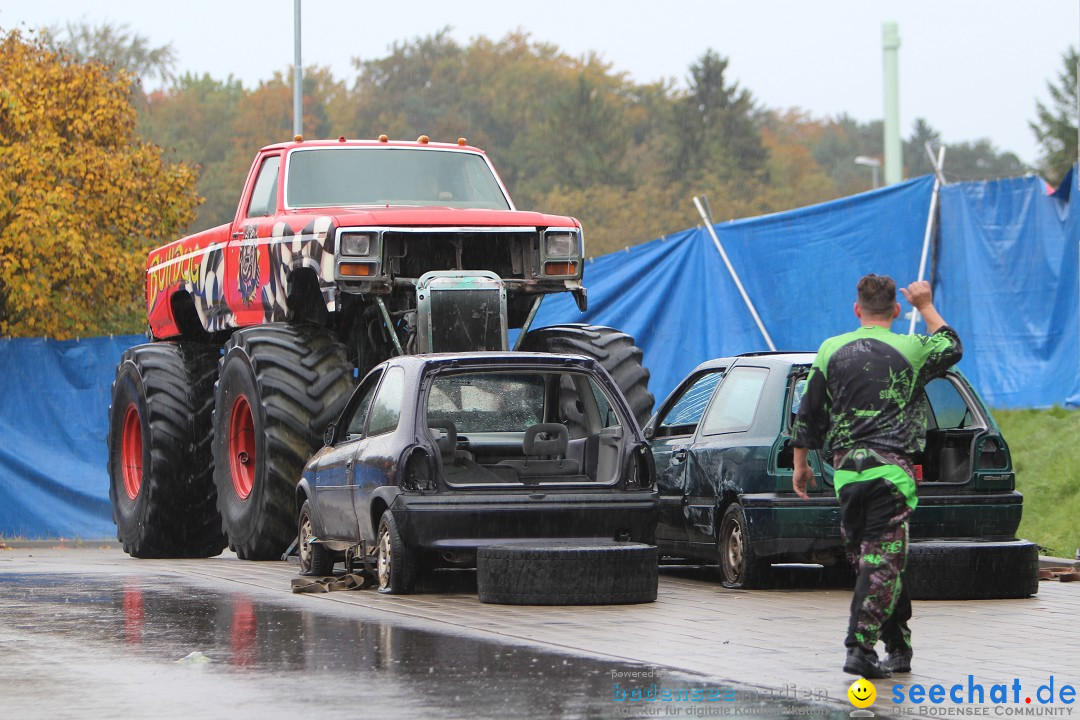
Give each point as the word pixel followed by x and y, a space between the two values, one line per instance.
pixel 354 243
pixel 560 244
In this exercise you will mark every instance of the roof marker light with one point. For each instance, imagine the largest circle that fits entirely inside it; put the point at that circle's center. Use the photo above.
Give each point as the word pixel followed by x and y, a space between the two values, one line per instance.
pixel 341 138
pixel 423 139
pixel 298 138
pixel 462 141
pixel 384 138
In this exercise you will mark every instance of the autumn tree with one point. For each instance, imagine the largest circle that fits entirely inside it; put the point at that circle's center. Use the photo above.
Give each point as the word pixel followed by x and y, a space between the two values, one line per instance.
pixel 1055 124
pixel 82 199
pixel 193 121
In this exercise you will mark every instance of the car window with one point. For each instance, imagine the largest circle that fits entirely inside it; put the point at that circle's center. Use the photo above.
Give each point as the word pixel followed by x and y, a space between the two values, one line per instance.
pixel 386 408
pixel 797 395
pixel 608 416
pixel 488 402
pixel 685 414
pixel 264 196
pixel 735 403
pixel 948 409
pixel 325 177
pixel 354 422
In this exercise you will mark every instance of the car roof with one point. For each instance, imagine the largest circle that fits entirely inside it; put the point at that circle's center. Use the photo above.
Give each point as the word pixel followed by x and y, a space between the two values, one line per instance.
pixel 494 359
pixel 771 359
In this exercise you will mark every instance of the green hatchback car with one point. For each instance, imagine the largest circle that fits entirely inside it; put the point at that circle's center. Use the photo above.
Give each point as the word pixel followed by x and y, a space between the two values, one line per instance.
pixel 721 444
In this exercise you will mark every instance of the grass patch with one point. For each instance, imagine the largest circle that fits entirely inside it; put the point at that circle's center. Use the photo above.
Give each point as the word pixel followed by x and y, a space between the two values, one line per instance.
pixel 1042 443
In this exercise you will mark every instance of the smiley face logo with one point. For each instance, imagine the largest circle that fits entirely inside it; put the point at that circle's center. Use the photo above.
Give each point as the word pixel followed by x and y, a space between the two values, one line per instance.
pixel 862 693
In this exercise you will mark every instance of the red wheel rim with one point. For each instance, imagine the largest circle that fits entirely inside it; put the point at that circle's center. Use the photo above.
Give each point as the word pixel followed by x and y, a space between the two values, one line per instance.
pixel 242 448
pixel 131 452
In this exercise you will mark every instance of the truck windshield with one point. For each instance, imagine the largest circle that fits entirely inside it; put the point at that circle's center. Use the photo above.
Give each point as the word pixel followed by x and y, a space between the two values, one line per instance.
pixel 328 177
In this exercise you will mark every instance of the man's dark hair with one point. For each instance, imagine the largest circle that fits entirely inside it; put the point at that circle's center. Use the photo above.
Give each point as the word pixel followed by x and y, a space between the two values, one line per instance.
pixel 877 295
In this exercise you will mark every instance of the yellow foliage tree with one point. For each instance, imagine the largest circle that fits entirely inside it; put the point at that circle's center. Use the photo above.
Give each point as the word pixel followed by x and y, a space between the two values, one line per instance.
pixel 82 199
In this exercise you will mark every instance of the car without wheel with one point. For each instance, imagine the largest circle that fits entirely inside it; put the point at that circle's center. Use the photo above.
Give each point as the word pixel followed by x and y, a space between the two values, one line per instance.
pixel 721 444
pixel 436 456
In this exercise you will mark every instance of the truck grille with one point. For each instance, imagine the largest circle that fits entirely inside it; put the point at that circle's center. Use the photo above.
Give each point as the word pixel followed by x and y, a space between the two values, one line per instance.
pixel 411 254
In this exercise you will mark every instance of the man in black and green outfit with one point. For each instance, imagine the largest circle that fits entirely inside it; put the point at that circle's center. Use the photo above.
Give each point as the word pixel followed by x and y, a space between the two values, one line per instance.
pixel 864 401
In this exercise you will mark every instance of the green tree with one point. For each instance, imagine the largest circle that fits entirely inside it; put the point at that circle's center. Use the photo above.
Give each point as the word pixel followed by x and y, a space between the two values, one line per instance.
pixel 82 198
pixel 965 161
pixel 1055 124
pixel 717 127
pixel 113 46
pixel 980 160
pixel 916 160
pixel 842 140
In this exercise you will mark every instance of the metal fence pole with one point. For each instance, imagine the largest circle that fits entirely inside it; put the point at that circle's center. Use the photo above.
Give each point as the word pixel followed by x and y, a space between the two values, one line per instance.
pixel 939 178
pixel 734 275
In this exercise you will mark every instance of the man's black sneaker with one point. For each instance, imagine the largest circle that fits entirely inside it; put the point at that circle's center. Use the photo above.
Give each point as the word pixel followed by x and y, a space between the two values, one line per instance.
pixel 864 663
pixel 898 661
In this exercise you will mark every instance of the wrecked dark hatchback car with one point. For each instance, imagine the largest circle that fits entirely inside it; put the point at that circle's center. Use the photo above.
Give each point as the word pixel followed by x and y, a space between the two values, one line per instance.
pixel 724 466
pixel 435 456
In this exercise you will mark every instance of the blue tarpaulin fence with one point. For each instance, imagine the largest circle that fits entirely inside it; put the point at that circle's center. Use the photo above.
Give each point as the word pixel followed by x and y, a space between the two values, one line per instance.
pixel 1005 272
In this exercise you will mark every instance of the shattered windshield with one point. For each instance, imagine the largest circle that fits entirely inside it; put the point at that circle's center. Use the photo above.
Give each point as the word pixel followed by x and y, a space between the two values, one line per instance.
pixel 488 402
pixel 327 177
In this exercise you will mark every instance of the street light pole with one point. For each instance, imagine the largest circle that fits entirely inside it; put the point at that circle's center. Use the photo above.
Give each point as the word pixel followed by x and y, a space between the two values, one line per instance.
pixel 870 162
pixel 298 75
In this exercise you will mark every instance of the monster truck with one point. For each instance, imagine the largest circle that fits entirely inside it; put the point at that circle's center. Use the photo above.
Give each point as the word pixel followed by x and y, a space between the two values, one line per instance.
pixel 341 254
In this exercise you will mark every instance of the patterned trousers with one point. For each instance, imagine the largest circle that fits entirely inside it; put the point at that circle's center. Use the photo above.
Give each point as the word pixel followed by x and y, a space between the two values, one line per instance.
pixel 873 523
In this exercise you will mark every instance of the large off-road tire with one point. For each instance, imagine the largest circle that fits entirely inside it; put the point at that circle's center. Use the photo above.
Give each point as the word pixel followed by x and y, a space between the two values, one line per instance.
pixel 613 349
pixel 315 559
pixel 944 570
pixel 396 563
pixel 278 387
pixel 739 567
pixel 567 573
pixel 160 465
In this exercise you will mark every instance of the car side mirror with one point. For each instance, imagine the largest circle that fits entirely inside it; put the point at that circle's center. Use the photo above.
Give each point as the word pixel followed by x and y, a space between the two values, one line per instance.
pixel 649 432
pixel 328 435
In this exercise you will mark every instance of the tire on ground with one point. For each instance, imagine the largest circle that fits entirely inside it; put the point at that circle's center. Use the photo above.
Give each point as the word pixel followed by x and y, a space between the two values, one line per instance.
pixel 315 558
pixel 160 464
pixel 614 350
pixel 567 574
pixel 396 565
pixel 944 570
pixel 739 566
pixel 278 387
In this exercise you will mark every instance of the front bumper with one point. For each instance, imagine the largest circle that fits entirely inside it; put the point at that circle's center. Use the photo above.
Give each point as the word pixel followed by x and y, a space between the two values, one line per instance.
pixel 469 520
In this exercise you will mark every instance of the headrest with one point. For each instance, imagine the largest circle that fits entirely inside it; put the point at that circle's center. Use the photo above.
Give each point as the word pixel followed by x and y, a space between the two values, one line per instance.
pixel 447 441
pixel 560 439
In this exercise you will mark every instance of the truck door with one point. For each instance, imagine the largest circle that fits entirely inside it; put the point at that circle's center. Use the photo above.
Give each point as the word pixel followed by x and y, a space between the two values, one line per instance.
pixel 248 283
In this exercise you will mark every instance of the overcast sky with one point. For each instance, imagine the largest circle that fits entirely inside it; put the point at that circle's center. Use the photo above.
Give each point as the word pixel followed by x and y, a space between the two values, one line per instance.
pixel 973 68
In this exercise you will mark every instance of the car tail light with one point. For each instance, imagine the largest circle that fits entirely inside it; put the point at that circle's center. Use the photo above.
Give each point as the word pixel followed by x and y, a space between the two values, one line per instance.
pixel 416 475
pixel 992 453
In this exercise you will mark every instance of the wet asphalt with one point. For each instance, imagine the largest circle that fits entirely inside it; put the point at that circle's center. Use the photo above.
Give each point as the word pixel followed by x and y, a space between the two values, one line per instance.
pixel 89 645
